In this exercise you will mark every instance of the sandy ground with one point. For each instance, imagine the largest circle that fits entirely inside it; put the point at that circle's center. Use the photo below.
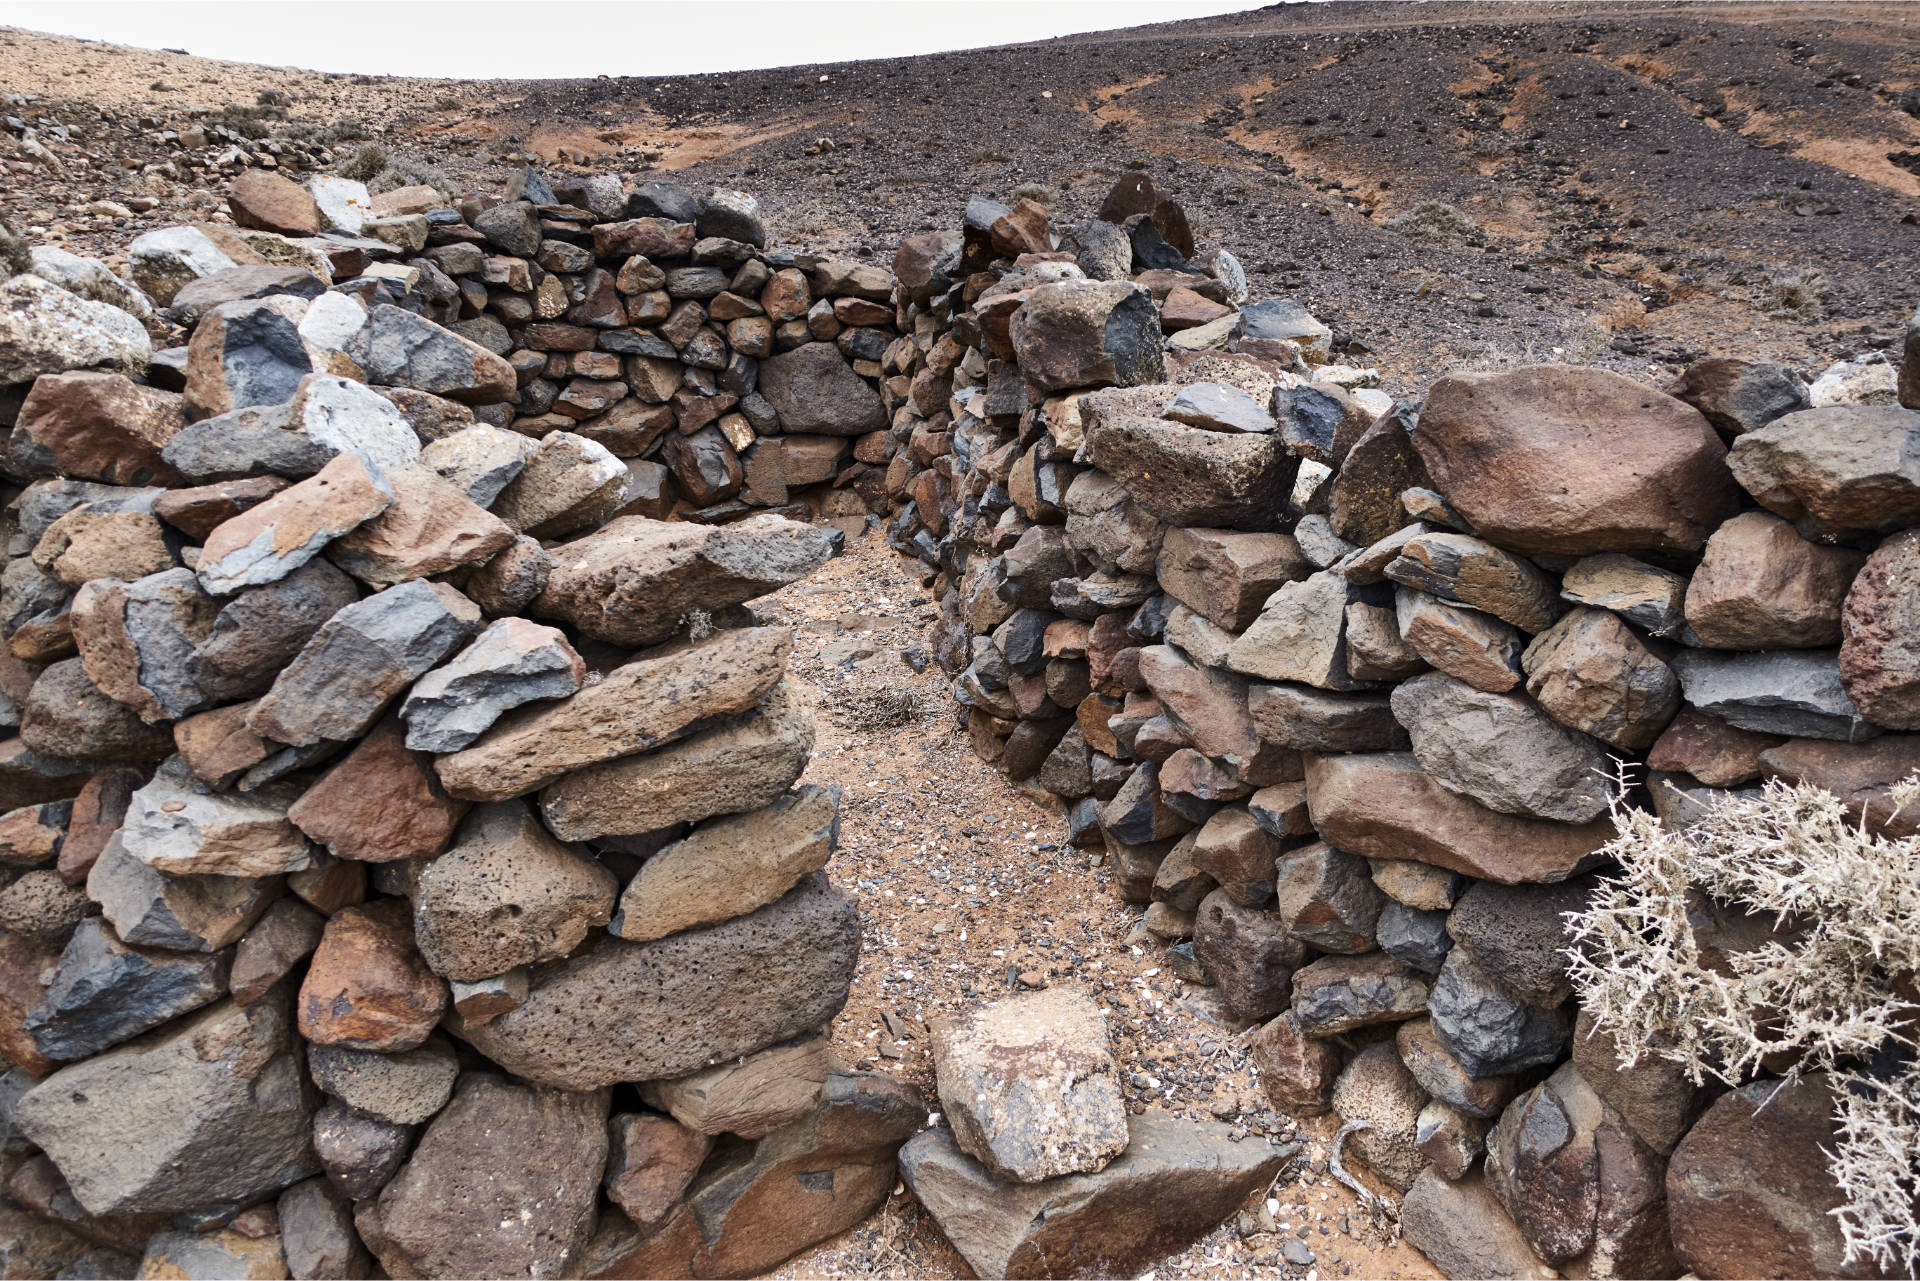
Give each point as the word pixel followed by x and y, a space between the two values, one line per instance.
pixel 967 892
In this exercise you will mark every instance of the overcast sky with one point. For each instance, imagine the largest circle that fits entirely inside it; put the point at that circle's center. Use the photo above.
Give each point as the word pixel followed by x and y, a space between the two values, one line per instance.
pixel 527 38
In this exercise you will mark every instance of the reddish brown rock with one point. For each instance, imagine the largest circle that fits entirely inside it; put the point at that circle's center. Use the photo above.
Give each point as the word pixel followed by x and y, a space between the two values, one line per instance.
pixel 1381 805
pixel 198 511
pixel 368 987
pixel 269 541
pixel 268 201
pixel 1880 652
pixel 1296 1071
pixel 1860 774
pixel 1762 586
pixel 1249 953
pixel 1554 458
pixel 381 803
pixel 104 427
pixel 430 528
pixel 26 967
pixel 1716 753
pixel 272 946
pixel 1591 673
pixel 650 1162
pixel 1749 1190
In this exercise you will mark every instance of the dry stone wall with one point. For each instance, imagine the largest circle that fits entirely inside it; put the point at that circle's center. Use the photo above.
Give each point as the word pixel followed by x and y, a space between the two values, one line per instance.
pixel 403 868
pixel 1336 686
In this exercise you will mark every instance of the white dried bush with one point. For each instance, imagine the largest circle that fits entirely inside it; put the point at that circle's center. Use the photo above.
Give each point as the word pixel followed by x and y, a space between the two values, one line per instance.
pixel 1834 987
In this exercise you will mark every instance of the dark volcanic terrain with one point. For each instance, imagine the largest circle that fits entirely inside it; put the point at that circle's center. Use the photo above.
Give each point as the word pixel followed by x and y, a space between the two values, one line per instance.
pixel 1645 183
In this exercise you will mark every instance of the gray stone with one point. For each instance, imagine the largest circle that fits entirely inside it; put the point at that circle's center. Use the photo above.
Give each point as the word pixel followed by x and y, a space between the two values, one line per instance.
pixel 269 541
pixel 1175 1182
pixel 512 662
pixel 1286 319
pixel 752 1096
pixel 1488 1029
pixel 174 826
pixel 360 660
pixel 1464 1232
pixel 1192 477
pixel 137 640
pixel 1086 333
pixel 1219 407
pixel 255 440
pixel 1412 936
pixel 316 1232
pixel 479 460
pixel 620 1011
pixel 1326 898
pixel 400 1089
pixel 1836 468
pixel 1471 572
pixel 1030 1085
pixel 1300 635
pixel 568 483
pixel 1338 993
pixel 1739 396
pixel 1311 720
pixel 506 895
pixel 815 391
pixel 399 349
pixel 1249 954
pixel 106 992
pixel 207 1113
pixel 148 908
pixel 1319 422
pixel 1377 1091
pixel 67 716
pixel 259 631
pixel 1793 692
pixel 46 330
pixel 1502 750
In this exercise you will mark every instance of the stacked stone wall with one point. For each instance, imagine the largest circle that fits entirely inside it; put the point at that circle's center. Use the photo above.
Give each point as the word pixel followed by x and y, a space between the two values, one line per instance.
pixel 1337 687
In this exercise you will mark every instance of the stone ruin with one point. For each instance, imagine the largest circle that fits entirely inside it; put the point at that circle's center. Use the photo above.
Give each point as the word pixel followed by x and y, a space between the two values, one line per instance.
pixel 404 863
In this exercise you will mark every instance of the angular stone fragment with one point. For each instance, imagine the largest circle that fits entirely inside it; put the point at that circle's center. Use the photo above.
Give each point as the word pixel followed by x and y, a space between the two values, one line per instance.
pixel 1711 750
pixel 1739 396
pixel 1592 674
pixel 1458 568
pixel 508 583
pixel 399 349
pixel 368 988
pixel 801 1184
pixel 32 835
pixel 736 766
pixel 634 581
pixel 401 1089
pixel 1297 1071
pixel 1443 1076
pixel 1311 720
pixel 1761 586
pixel 1190 477
pixel 1238 852
pixel 1502 751
pixel 205 1256
pixel 1338 993
pixel 1363 500
pixel 430 528
pixel 138 640
pixel 1643 595
pixel 480 461
pixel 1555 458
pixel 513 662
pixel 316 1232
pixel 1087 334
pixel 1880 649
pixel 106 992
pixel 814 390
pixel 269 541
pixel 730 866
pixel 1463 1231
pixel 506 895
pixel 380 803
pixel 1793 692
pixel 1219 407
pixel 1227 576
pixel 208 1112
pixel 1030 1086
pixel 46 330
pixel 1836 468
pixel 187 913
pixel 1249 953
pixel 567 484
pixel 1464 643
pixel 621 1011
pixel 1653 1097
pixel 652 701
pixel 1519 932
pixel 1209 707
pixel 259 631
pixel 752 1096
pixel 174 827
pixel 248 353
pixel 360 660
pixel 267 953
pixel 650 1161
pixel 1175 1182
pixel 1486 1028
pixel 1300 635
pixel 1449 1138
pixel 1383 806
pixel 503 1183
pixel 104 427
pixel 1326 898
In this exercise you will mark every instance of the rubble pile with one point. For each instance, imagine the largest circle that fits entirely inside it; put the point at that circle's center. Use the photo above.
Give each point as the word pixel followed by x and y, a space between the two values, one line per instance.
pixel 1338 685
pixel 404 872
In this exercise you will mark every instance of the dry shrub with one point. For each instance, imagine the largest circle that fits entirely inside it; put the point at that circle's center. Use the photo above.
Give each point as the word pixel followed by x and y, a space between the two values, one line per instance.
pixel 1833 990
pixel 1436 221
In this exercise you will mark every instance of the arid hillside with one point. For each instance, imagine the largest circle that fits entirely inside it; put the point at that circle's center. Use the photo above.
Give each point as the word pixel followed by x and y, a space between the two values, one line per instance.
pixel 1639 186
